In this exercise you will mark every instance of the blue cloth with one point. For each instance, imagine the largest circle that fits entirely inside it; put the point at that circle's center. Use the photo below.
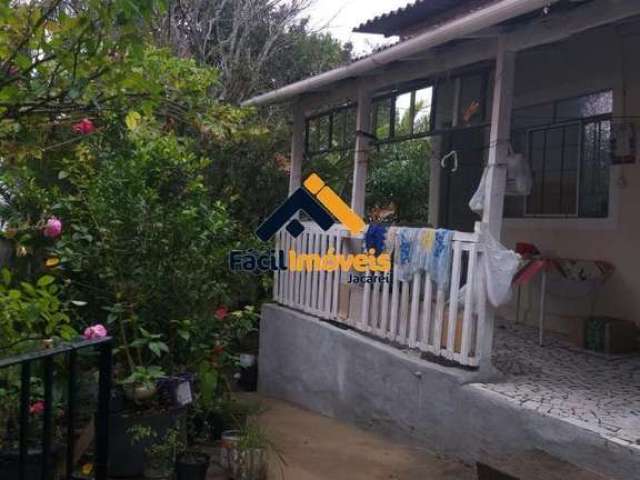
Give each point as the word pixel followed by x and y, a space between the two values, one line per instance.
pixel 405 243
pixel 374 239
pixel 440 261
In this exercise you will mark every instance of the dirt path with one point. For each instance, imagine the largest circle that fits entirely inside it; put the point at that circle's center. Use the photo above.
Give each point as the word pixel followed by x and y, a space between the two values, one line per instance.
pixel 321 448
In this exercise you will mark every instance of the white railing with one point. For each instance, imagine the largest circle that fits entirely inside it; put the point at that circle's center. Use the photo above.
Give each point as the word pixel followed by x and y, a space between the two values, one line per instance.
pixel 413 314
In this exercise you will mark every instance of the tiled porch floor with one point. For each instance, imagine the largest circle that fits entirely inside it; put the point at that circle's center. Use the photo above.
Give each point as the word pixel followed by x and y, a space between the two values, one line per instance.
pixel 588 390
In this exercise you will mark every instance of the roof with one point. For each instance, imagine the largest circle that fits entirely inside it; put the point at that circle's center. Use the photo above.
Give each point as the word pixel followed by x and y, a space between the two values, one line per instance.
pixel 417 12
pixel 475 16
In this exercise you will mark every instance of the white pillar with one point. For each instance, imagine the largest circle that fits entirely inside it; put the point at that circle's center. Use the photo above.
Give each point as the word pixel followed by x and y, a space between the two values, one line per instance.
pixel 497 175
pixel 361 156
pixel 499 138
pixel 297 148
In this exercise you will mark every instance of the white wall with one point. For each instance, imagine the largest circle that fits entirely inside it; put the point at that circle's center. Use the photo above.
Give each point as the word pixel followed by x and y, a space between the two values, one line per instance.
pixel 601 59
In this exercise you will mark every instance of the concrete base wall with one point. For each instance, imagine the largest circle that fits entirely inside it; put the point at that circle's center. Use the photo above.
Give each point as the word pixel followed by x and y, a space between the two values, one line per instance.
pixel 345 375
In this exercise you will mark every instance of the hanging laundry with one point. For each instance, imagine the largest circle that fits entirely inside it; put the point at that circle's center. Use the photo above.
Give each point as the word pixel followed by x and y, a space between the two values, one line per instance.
pixel 423 241
pixel 374 238
pixel 440 261
pixel 390 240
pixel 405 250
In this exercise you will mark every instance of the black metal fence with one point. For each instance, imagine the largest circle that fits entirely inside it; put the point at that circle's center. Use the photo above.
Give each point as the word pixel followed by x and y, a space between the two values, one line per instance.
pixel 70 351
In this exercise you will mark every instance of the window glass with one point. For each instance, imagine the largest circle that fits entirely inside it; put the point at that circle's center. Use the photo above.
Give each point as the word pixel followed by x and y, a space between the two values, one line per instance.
pixel 444 104
pixel 381 112
pixel 472 99
pixel 338 129
pixel 585 106
pixel 569 161
pixel 403 115
pixel 422 107
pixel 594 175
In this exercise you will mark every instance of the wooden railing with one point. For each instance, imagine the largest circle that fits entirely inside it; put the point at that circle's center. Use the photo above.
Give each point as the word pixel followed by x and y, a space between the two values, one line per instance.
pixel 414 314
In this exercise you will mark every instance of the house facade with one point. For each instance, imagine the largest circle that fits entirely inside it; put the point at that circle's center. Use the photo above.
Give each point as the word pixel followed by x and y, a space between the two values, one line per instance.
pixel 476 81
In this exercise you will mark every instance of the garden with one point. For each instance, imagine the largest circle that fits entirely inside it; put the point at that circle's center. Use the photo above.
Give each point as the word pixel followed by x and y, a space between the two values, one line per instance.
pixel 127 174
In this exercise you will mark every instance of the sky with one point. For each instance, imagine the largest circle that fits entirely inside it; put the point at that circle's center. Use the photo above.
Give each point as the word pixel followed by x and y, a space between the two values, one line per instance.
pixel 339 17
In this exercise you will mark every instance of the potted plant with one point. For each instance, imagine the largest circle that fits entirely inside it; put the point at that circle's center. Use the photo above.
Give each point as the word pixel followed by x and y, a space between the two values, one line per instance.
pixel 160 452
pixel 192 465
pixel 244 452
pixel 141 385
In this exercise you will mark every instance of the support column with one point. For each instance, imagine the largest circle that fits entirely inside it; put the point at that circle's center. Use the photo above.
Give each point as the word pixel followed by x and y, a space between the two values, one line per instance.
pixel 499 138
pixel 496 177
pixel 297 147
pixel 361 156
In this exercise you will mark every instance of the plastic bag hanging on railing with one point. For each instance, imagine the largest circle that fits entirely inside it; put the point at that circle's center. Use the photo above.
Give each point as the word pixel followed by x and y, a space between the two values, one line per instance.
pixel 499 266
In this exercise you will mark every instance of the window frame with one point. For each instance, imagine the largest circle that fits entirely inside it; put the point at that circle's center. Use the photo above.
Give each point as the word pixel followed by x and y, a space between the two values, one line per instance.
pixel 330 114
pixel 557 123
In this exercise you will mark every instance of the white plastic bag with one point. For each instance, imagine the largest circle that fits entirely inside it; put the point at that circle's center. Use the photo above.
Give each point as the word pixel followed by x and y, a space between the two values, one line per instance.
pixel 519 179
pixel 499 267
pixel 476 204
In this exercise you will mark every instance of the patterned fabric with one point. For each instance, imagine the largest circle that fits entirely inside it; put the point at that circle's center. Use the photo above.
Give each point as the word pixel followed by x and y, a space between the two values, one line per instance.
pixel 583 270
pixel 374 239
pixel 440 261
pixel 390 240
pixel 405 249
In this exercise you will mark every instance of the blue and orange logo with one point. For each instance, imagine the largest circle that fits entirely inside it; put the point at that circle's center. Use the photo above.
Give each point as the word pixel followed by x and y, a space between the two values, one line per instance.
pixel 318 201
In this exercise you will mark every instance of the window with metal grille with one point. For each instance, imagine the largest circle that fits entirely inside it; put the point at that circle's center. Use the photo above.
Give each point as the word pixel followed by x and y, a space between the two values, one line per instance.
pixel 568 146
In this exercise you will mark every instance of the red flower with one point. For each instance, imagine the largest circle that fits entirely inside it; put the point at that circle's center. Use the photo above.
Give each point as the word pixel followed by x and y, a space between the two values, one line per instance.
pixel 37 407
pixel 221 313
pixel 84 127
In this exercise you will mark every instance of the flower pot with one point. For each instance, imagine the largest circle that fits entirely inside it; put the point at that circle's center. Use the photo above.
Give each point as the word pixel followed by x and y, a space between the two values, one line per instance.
pixel 126 457
pixel 242 464
pixel 140 393
pixel 192 466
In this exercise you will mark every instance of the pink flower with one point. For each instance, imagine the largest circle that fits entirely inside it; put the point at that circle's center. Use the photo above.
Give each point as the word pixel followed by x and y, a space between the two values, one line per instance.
pixel 221 313
pixel 37 407
pixel 95 331
pixel 84 127
pixel 53 228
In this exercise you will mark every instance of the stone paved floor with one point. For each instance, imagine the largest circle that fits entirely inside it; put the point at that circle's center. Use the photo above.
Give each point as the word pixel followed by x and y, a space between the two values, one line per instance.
pixel 586 389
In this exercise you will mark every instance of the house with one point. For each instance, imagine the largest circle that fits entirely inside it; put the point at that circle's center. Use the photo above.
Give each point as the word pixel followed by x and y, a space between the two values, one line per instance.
pixel 478 80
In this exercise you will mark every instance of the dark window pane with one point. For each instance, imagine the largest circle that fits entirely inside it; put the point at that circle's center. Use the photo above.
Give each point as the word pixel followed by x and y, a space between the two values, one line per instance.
pixel 585 106
pixel 513 207
pixel 594 178
pixel 445 92
pixel 472 100
pixel 535 116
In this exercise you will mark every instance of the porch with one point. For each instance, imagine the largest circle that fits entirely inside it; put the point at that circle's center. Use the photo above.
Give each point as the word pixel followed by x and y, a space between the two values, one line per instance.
pixel 442 364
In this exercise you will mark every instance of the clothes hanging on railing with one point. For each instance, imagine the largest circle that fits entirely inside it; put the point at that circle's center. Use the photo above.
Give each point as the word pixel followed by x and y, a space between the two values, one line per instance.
pixel 390 240
pixel 374 238
pixel 423 246
pixel 405 250
pixel 440 260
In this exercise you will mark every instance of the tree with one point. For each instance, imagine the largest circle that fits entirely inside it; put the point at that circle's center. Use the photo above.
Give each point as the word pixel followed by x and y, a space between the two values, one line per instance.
pixel 256 45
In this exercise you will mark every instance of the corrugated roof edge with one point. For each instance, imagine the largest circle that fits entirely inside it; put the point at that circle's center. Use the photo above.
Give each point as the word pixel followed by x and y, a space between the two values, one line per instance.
pixel 474 21
pixel 385 16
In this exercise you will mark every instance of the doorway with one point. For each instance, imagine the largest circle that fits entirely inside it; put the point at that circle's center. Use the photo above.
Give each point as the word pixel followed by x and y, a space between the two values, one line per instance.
pixel 457 187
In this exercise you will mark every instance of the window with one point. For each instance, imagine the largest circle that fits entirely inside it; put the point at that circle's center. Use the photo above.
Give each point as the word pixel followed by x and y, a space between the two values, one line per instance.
pixel 333 131
pixel 568 146
pixel 402 115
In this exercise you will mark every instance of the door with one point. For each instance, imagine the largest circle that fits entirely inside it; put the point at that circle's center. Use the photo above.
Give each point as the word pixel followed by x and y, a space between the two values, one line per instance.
pixel 457 188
